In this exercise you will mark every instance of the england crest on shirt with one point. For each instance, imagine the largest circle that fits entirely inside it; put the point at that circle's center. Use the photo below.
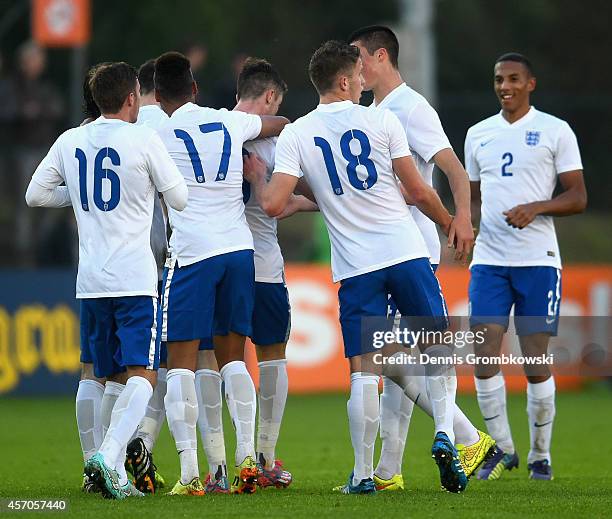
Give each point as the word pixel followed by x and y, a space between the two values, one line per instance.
pixel 532 138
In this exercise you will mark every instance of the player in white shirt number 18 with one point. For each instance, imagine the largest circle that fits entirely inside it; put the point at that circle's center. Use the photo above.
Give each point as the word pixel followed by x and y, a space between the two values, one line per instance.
pixel 350 155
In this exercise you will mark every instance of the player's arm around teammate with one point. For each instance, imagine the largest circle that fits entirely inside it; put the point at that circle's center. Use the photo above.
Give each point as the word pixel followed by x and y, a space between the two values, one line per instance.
pixel 260 91
pixel 209 281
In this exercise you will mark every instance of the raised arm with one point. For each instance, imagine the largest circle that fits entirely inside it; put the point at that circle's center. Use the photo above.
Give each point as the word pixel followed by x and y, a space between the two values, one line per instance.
pixel 272 125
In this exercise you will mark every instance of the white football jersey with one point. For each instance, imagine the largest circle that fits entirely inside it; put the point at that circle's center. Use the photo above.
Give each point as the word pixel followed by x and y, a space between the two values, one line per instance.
pixel 153 117
pixel 516 164
pixel 426 137
pixel 344 151
pixel 268 257
pixel 206 145
pixel 112 169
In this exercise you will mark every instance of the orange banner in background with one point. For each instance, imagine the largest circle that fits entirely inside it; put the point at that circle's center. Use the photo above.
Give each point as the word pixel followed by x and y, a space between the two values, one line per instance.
pixel 61 23
pixel 315 352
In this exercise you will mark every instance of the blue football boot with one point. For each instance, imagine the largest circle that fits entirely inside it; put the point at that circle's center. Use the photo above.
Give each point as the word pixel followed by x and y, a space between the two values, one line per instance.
pixel 494 467
pixel 540 469
pixel 452 476
pixel 365 486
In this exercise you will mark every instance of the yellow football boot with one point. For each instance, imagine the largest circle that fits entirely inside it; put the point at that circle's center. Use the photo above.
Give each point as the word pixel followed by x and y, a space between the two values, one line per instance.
pixel 193 488
pixel 245 479
pixel 471 456
pixel 394 483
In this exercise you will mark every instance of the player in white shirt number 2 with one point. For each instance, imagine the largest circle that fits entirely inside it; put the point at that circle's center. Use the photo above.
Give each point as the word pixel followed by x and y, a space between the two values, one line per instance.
pixel 514 160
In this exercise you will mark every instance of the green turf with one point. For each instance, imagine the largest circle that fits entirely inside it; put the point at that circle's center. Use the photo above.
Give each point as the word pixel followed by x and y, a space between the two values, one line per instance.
pixel 40 458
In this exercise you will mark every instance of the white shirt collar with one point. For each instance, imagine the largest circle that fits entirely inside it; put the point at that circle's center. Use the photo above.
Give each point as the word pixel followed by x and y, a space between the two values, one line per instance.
pixel 187 107
pixel 523 120
pixel 391 95
pixel 104 120
pixel 336 106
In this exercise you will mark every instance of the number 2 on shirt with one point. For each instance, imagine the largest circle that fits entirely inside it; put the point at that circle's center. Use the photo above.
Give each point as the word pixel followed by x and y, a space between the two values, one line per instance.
pixel 195 156
pixel 100 173
pixel 353 161
pixel 508 158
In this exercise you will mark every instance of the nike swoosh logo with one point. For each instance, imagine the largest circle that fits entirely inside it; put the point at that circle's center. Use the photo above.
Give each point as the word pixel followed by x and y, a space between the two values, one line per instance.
pixel 483 144
pixel 492 418
pixel 542 424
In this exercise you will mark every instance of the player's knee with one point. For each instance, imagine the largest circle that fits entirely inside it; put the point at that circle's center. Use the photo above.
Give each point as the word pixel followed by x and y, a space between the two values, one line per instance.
pixel 120 378
pixel 270 352
pixel 87 373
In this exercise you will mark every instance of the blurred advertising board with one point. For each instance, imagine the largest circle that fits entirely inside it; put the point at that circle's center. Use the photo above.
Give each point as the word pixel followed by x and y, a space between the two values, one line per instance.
pixel 39 327
pixel 61 23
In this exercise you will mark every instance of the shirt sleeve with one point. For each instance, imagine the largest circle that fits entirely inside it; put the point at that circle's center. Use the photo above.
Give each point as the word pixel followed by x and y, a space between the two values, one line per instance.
pixel 50 172
pixel 425 133
pixel 250 124
pixel 44 189
pixel 471 165
pixel 567 153
pixel 398 143
pixel 287 159
pixel 162 169
pixel 38 196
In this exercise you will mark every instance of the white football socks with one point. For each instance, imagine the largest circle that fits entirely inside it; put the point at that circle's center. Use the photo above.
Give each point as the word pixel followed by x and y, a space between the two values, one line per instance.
pixel 88 403
pixel 182 412
pixel 242 402
pixel 155 415
pixel 395 412
pixel 210 419
pixel 541 414
pixel 491 393
pixel 441 385
pixel 363 413
pixel 120 466
pixel 273 387
pixel 127 413
pixel 414 388
pixel 112 390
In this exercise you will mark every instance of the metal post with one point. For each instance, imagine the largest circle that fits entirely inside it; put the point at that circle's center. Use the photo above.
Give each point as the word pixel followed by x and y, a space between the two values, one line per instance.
pixel 78 63
pixel 417 60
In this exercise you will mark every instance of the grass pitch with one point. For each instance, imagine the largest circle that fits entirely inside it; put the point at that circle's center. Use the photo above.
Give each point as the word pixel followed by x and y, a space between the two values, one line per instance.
pixel 40 458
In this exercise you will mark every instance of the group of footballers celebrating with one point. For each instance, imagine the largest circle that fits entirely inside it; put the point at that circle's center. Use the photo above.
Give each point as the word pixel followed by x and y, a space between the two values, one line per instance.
pixel 164 325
